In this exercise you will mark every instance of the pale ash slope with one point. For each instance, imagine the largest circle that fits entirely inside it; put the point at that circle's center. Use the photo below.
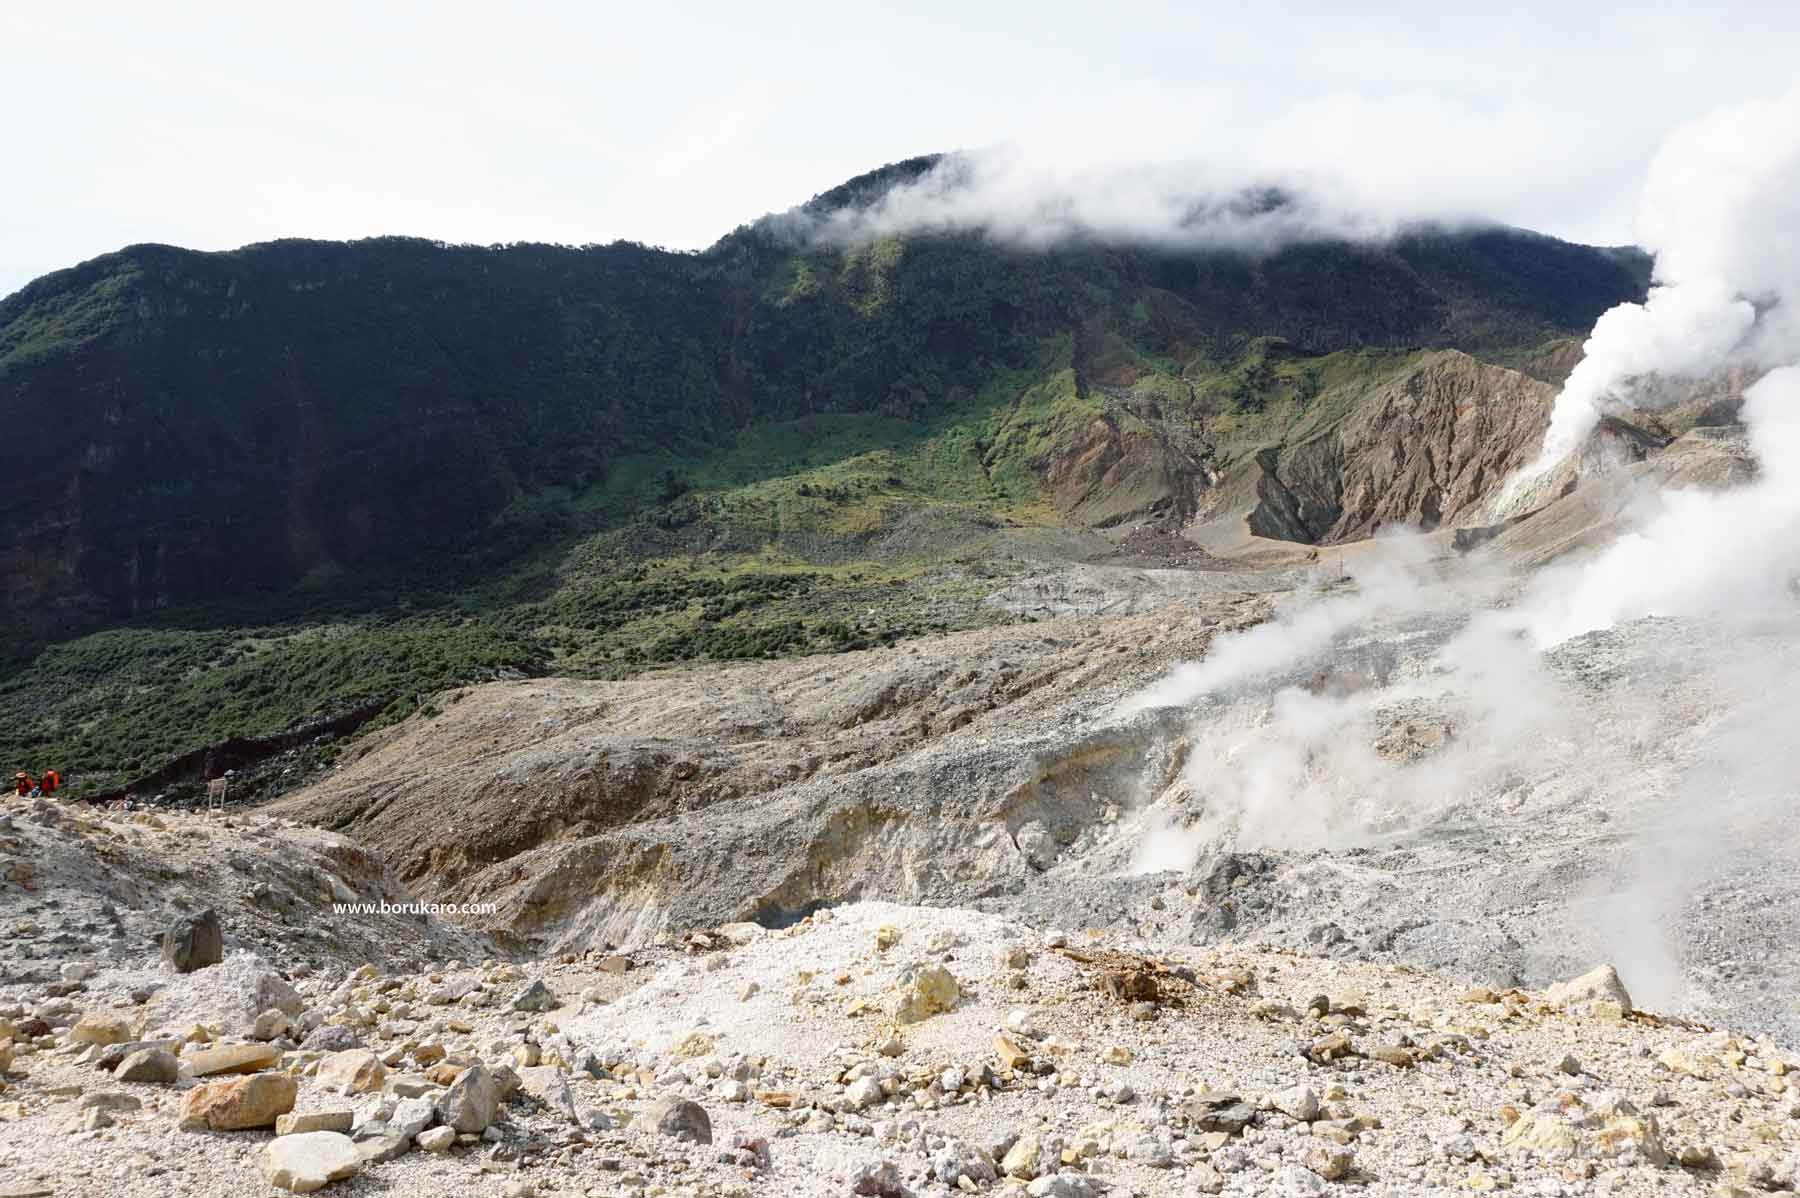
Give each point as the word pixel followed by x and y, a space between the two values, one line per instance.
pixel 99 887
pixel 1240 1071
pixel 985 767
pixel 612 811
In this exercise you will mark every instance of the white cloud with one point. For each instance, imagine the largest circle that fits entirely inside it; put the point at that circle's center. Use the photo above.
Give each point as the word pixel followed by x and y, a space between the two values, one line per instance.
pixel 212 124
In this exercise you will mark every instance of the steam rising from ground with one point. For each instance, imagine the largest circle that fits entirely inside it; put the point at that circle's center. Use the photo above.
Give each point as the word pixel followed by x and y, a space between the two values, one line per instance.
pixel 1721 212
pixel 1287 749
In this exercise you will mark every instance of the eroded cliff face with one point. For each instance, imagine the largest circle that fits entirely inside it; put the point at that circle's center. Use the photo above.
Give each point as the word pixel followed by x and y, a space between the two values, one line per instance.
pixel 615 810
pixel 1419 451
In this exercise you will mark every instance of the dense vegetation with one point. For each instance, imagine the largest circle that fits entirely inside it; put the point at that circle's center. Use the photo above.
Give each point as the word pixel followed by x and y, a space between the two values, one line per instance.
pixel 275 481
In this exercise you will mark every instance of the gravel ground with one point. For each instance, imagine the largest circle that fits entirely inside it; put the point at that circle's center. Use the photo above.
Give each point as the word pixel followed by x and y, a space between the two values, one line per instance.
pixel 1074 1063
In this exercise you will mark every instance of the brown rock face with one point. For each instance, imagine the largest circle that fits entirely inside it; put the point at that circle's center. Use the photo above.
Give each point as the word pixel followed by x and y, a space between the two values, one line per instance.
pixel 239 1103
pixel 1421 450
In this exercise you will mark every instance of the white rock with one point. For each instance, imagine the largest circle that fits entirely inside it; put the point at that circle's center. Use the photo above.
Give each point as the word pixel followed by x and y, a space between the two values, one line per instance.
pixel 309 1161
pixel 863 1093
pixel 1297 1102
pixel 436 1139
pixel 1601 982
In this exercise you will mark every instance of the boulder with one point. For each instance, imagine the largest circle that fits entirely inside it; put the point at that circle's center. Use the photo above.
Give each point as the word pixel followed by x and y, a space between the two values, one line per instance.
pixel 309 1161
pixel 535 997
pixel 155 1065
pixel 1598 984
pixel 271 1024
pixel 378 1142
pixel 230 1058
pixel 1544 1135
pixel 295 1123
pixel 98 1028
pixel 436 1139
pixel 354 1071
pixel 471 1102
pixel 115 1054
pixel 1298 1103
pixel 925 989
pixel 194 942
pixel 550 1088
pixel 412 1116
pixel 1021 1160
pixel 680 1119
pixel 238 1103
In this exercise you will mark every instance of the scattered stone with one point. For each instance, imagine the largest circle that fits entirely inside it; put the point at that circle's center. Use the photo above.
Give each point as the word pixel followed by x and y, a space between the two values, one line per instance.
pixel 296 1123
pixel 1298 1103
pixel 238 1103
pixel 925 989
pixel 230 1058
pixel 355 1071
pixel 309 1161
pixel 271 1024
pixel 1329 1162
pixel 436 1139
pixel 1601 982
pixel 96 1028
pixel 471 1102
pixel 680 1118
pixel 158 1066
pixel 535 997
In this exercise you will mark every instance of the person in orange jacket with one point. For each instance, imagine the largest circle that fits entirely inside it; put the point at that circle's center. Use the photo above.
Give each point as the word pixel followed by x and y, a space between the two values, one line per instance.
pixel 22 783
pixel 49 782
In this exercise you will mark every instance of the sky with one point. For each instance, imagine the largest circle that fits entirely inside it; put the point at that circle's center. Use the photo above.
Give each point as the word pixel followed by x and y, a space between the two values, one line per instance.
pixel 213 126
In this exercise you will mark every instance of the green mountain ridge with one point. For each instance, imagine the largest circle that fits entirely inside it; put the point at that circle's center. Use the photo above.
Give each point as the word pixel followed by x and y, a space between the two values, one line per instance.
pixel 295 475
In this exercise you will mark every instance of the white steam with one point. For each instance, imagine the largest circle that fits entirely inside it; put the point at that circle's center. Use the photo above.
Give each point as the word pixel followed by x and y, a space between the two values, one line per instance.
pixel 1721 212
pixel 1281 758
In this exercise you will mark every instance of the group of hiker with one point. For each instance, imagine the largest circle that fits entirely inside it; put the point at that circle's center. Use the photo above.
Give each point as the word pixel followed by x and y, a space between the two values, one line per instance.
pixel 27 787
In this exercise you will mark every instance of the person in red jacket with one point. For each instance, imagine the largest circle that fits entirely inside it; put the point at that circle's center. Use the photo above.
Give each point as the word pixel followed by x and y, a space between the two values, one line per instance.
pixel 22 783
pixel 49 782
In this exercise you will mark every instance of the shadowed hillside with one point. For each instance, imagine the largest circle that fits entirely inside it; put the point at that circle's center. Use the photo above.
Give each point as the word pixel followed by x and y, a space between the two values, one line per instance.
pixel 537 458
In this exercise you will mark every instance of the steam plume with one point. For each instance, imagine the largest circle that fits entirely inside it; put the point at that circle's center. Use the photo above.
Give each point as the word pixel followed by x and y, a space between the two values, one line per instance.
pixel 1282 764
pixel 1721 213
